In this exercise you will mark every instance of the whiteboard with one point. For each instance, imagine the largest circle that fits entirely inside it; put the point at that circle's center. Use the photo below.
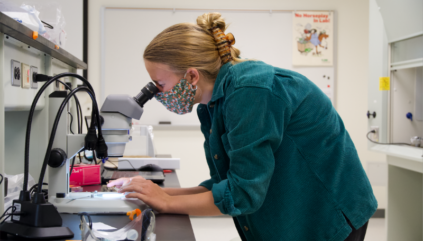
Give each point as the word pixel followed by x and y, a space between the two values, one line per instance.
pixel 265 36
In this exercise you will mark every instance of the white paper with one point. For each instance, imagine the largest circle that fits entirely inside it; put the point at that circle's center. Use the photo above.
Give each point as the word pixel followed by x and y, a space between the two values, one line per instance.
pixel 102 226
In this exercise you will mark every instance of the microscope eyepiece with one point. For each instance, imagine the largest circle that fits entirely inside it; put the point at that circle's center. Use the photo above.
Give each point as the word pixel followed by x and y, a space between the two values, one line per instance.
pixel 146 94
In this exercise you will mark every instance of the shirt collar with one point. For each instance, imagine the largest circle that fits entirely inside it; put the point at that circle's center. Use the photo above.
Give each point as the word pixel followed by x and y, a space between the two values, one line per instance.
pixel 220 81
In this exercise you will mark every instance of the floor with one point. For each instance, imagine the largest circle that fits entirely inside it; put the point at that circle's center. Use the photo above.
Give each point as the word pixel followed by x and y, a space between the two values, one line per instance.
pixel 223 228
pixel 376 230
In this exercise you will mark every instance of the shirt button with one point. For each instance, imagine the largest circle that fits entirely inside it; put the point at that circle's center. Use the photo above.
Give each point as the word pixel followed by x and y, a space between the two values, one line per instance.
pixel 210 131
pixel 216 157
pixel 246 228
pixel 211 105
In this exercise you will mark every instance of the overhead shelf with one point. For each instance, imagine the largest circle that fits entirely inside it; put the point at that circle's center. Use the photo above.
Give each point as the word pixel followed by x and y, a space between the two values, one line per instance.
pixel 407 64
pixel 18 31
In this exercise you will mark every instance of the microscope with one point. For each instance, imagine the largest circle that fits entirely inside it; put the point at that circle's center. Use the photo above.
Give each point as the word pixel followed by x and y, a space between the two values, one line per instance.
pixel 116 116
pixel 35 218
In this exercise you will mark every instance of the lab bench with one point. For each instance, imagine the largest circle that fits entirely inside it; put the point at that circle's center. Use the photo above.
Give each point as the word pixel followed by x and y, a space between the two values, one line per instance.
pixel 21 51
pixel 169 227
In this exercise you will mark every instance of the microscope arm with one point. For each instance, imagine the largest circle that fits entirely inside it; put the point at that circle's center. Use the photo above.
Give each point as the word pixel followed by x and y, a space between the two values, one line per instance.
pixel 75 144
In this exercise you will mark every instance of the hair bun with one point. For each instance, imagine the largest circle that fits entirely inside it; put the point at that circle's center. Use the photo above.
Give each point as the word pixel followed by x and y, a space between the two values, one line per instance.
pixel 231 39
pixel 208 21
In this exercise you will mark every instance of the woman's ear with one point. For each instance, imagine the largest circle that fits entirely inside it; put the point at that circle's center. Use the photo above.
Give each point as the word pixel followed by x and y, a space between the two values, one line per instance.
pixel 193 76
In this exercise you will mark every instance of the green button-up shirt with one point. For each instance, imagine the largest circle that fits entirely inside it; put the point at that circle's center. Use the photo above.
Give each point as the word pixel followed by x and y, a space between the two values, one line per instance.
pixel 281 162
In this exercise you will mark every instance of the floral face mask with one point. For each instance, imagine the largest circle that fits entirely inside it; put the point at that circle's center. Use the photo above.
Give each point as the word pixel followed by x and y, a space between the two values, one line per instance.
pixel 180 99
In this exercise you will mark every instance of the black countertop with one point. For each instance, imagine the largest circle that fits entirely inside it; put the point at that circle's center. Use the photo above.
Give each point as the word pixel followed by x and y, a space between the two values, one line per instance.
pixel 169 227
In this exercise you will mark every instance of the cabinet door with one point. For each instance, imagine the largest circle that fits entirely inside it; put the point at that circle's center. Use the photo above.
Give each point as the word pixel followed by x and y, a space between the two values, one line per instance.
pixel 378 67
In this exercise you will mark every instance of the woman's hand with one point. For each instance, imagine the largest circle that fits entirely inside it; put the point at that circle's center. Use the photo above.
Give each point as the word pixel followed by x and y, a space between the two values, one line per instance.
pixel 145 190
pixel 193 201
pixel 123 181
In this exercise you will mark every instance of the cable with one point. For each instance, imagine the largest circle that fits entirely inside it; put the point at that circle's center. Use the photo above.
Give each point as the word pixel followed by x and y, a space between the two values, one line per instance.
pixel 71 170
pixel 56 122
pixel 122 161
pixel 94 158
pixel 5 213
pixel 391 143
pixel 34 190
pixel 112 163
pixel 73 162
pixel 47 25
pixel 80 159
pixel 90 223
pixel 70 126
pixel 126 161
pixel 129 163
pixel 78 108
pixel 31 114
pixel 79 114
pixel 36 186
pixel 86 123
pixel 8 216
pixel 88 159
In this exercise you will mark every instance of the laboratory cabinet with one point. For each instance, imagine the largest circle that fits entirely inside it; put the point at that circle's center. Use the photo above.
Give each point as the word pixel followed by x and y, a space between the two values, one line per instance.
pixel 402 105
pixel 395 107
pixel 21 56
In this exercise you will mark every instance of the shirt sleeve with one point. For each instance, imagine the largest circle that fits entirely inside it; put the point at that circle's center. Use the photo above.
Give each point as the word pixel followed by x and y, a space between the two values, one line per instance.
pixel 214 178
pixel 255 120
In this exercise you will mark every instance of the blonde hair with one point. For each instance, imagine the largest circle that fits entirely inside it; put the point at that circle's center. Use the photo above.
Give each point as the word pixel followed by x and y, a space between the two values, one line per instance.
pixel 189 45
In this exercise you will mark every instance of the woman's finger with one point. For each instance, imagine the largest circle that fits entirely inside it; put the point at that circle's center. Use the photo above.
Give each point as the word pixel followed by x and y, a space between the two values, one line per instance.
pixel 130 188
pixel 137 195
pixel 138 178
pixel 117 182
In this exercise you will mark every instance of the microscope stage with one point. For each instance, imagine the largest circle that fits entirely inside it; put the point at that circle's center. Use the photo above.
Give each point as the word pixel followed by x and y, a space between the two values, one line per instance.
pixel 96 202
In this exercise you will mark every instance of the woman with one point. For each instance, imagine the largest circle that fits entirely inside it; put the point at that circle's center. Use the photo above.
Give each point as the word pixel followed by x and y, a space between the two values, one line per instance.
pixel 281 162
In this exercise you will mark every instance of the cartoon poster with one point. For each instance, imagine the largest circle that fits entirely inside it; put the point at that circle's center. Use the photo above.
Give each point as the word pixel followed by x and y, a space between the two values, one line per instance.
pixel 312 39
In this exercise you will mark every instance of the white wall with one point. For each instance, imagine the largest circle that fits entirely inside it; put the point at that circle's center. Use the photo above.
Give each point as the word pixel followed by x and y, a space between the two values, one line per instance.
pixel 72 12
pixel 187 145
pixel 352 74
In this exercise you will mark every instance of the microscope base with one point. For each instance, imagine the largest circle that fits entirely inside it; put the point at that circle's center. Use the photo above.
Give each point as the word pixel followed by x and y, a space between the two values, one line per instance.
pixel 101 202
pixel 40 233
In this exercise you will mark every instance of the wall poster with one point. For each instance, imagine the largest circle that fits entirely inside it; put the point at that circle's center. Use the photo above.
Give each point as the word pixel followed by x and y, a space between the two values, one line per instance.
pixel 312 39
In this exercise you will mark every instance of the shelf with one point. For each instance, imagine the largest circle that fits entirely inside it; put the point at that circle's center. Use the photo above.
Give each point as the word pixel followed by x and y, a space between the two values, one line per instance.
pixel 411 157
pixel 18 31
pixel 407 64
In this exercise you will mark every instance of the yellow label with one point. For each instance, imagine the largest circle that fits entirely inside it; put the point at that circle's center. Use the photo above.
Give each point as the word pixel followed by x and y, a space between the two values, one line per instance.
pixel 384 83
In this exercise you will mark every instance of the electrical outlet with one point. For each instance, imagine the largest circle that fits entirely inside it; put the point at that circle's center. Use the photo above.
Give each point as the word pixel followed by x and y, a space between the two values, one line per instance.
pixel 59 86
pixel 64 80
pixel 25 76
pixel 16 73
pixel 34 70
pixel 56 84
pixel 374 136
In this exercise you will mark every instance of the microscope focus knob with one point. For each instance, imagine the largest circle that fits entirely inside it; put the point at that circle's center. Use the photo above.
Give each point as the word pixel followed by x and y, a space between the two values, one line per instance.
pixel 60 195
pixel 57 158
